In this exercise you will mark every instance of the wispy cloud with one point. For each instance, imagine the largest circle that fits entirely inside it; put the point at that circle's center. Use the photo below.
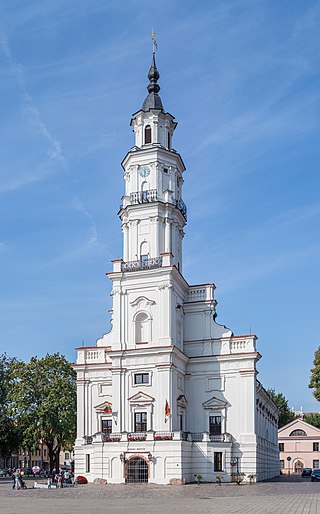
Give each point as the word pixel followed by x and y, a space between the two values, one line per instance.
pixel 31 112
pixel 4 247
pixel 74 251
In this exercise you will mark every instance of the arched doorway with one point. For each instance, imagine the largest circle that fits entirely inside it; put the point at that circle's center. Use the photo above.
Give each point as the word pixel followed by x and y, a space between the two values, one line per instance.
pixel 136 470
pixel 298 467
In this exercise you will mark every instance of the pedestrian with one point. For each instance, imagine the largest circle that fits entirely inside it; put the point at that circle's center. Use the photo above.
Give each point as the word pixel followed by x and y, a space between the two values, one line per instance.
pixel 13 478
pixel 18 479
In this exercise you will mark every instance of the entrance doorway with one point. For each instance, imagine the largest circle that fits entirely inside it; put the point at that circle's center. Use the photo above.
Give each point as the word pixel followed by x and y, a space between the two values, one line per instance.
pixel 136 470
pixel 298 467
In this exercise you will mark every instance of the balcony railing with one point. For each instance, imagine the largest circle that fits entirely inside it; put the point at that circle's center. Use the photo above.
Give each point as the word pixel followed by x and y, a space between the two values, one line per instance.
pixel 197 436
pixel 192 437
pixel 151 195
pixel 163 436
pixel 182 207
pixel 152 263
pixel 137 436
pixel 143 196
pixel 113 437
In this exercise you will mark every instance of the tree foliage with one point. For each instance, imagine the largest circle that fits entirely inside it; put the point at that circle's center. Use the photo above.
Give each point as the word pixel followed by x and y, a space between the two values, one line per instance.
pixel 9 430
pixel 313 419
pixel 285 414
pixel 315 375
pixel 44 401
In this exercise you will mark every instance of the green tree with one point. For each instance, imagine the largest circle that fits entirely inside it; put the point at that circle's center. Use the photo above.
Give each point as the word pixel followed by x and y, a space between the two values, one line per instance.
pixel 9 430
pixel 44 401
pixel 285 414
pixel 313 419
pixel 315 375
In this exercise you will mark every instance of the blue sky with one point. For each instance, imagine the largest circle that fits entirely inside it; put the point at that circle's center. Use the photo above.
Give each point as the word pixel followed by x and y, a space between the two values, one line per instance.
pixel 242 79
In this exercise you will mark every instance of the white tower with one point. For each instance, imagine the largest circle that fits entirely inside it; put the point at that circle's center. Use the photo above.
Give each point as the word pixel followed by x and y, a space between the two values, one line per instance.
pixel 148 288
pixel 167 393
pixel 153 213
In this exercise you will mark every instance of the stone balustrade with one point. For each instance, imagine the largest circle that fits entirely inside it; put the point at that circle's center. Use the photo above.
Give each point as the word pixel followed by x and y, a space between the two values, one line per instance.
pixel 150 435
pixel 201 293
pixel 93 355
pixel 242 345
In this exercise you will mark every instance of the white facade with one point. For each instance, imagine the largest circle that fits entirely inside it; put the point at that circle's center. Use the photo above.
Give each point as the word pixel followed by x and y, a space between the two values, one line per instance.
pixel 167 393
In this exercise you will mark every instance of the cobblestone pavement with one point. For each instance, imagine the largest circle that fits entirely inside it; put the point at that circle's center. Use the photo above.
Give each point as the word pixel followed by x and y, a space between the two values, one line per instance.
pixel 294 496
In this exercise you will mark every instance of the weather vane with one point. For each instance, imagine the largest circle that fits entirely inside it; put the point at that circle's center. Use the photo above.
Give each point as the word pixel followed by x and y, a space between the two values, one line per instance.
pixel 154 42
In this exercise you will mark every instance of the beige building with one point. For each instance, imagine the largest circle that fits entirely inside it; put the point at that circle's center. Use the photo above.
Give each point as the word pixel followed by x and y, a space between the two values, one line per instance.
pixel 299 444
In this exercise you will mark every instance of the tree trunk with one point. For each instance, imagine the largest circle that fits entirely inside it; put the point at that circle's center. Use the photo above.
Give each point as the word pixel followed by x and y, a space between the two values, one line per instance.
pixel 57 457
pixel 51 455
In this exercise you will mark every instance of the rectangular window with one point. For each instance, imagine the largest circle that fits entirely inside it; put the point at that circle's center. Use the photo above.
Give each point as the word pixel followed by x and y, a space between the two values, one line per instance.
pixel 315 447
pixel 141 378
pixel 218 461
pixel 214 425
pixel 106 426
pixel 88 463
pixel 66 456
pixel 44 452
pixel 281 464
pixel 181 422
pixel 281 447
pixel 315 463
pixel 140 422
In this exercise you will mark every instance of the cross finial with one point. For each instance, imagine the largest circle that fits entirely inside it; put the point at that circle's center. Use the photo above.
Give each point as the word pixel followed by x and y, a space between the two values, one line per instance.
pixel 154 43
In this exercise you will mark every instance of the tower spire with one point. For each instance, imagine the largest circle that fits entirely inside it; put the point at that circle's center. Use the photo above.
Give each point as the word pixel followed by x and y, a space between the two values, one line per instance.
pixel 153 100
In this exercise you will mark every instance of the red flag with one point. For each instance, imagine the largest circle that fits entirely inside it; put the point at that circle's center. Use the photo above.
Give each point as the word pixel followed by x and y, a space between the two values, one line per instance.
pixel 167 411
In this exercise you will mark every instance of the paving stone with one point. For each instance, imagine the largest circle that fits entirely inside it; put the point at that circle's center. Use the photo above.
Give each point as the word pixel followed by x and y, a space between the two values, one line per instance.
pixel 283 496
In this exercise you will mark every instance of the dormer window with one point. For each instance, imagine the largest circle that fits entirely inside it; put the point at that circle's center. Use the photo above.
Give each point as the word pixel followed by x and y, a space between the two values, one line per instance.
pixel 147 135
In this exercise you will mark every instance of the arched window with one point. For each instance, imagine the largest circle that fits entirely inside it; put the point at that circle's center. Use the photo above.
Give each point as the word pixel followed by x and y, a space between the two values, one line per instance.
pixel 169 140
pixel 144 254
pixel 297 432
pixel 144 186
pixel 147 135
pixel 141 322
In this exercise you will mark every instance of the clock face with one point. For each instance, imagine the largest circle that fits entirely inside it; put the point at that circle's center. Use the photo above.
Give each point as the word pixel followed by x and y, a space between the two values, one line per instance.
pixel 144 171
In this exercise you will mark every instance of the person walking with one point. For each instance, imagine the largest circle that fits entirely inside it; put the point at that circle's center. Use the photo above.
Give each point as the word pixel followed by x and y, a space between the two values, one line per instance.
pixel 13 478
pixel 18 479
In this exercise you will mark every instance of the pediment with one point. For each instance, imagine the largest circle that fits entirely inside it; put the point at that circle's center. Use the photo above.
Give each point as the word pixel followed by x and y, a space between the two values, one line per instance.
pixel 106 407
pixel 141 398
pixel 181 400
pixel 299 423
pixel 142 301
pixel 214 403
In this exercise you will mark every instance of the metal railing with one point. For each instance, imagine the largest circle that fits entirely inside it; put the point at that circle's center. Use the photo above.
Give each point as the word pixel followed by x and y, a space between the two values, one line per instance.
pixel 163 436
pixel 197 436
pixel 137 436
pixel 152 263
pixel 182 207
pixel 143 196
pixel 113 437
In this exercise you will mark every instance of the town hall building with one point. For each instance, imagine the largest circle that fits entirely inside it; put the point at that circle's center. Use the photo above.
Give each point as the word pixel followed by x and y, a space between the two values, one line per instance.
pixel 168 393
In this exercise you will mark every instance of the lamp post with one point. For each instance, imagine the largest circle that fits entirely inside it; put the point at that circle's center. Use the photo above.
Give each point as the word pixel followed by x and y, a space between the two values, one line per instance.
pixel 288 459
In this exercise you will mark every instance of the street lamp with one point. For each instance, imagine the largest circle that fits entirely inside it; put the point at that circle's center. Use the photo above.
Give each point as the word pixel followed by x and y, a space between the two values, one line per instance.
pixel 150 456
pixel 122 457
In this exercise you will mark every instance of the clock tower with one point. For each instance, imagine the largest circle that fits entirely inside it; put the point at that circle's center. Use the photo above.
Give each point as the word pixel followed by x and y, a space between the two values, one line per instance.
pixel 167 393
pixel 153 213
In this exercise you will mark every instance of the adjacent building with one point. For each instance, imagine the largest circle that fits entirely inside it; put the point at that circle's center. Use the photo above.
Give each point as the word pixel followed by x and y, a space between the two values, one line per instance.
pixel 168 393
pixel 299 445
